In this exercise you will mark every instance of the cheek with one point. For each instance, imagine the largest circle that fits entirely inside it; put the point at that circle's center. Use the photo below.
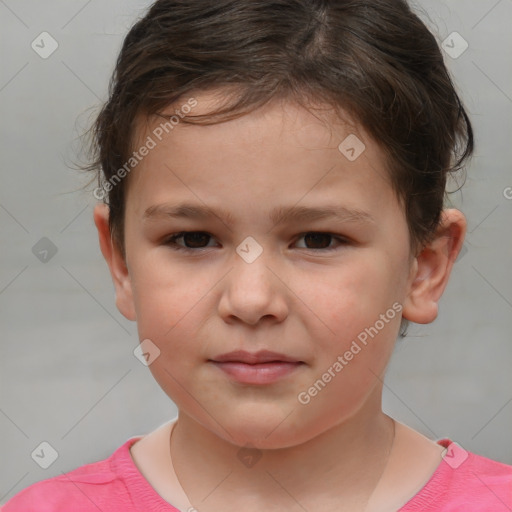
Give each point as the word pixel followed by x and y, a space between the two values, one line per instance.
pixel 165 302
pixel 356 309
pixel 348 298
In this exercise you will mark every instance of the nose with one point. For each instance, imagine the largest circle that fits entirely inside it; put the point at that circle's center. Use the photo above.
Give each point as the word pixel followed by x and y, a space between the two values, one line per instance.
pixel 253 292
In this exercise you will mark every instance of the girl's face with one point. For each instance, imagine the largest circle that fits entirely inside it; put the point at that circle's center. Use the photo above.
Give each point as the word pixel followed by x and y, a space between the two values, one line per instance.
pixel 310 286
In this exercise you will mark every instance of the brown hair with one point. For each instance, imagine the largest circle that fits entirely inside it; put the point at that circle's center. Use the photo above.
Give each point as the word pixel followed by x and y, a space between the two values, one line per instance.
pixel 374 59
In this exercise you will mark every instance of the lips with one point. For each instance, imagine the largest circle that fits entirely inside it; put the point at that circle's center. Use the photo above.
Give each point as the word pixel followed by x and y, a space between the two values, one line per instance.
pixel 263 367
pixel 263 356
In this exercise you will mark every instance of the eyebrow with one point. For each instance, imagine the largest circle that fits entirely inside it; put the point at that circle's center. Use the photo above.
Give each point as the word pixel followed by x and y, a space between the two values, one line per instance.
pixel 280 214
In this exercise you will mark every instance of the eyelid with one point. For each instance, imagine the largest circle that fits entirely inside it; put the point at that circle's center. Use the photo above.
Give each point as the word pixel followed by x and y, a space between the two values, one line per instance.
pixel 342 240
pixel 170 241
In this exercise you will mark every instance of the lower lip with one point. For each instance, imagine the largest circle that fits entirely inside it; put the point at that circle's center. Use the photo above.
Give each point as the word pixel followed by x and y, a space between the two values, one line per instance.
pixel 261 373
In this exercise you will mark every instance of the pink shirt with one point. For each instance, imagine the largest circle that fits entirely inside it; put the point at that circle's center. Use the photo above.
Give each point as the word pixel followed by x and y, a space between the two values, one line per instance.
pixel 463 482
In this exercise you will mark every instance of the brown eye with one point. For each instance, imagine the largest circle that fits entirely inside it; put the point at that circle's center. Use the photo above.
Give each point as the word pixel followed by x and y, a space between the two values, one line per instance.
pixel 195 240
pixel 315 241
pixel 191 240
pixel 318 240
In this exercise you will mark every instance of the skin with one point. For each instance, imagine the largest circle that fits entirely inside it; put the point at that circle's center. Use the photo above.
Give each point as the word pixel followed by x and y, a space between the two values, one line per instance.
pixel 296 298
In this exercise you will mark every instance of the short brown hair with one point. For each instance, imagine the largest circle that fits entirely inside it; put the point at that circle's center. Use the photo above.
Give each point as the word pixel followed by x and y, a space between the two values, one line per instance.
pixel 375 59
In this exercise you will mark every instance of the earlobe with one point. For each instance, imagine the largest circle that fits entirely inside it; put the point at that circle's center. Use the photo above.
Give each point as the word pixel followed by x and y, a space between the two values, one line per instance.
pixel 431 269
pixel 116 263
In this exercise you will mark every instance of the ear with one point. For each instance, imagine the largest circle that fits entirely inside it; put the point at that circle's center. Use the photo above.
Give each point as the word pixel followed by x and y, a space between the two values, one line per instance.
pixel 431 269
pixel 116 263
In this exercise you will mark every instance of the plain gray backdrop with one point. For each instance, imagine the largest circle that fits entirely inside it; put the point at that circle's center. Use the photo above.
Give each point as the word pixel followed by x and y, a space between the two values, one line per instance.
pixel 69 377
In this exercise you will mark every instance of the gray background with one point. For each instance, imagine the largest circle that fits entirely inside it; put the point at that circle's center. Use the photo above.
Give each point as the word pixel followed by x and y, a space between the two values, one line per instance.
pixel 68 373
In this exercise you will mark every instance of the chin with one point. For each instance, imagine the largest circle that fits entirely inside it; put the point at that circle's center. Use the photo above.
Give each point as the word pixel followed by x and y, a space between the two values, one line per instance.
pixel 266 430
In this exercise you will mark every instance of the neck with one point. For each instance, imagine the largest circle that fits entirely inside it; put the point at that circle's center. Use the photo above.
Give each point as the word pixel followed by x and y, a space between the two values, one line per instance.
pixel 342 465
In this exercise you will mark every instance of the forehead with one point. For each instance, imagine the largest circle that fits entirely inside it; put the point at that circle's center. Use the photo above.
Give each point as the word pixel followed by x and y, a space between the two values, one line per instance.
pixel 310 125
pixel 277 151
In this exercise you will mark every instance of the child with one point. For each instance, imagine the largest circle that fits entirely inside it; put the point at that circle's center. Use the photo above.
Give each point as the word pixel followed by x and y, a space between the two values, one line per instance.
pixel 238 135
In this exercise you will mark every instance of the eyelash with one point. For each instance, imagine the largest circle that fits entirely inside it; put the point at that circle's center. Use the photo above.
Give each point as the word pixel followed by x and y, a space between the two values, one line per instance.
pixel 171 241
